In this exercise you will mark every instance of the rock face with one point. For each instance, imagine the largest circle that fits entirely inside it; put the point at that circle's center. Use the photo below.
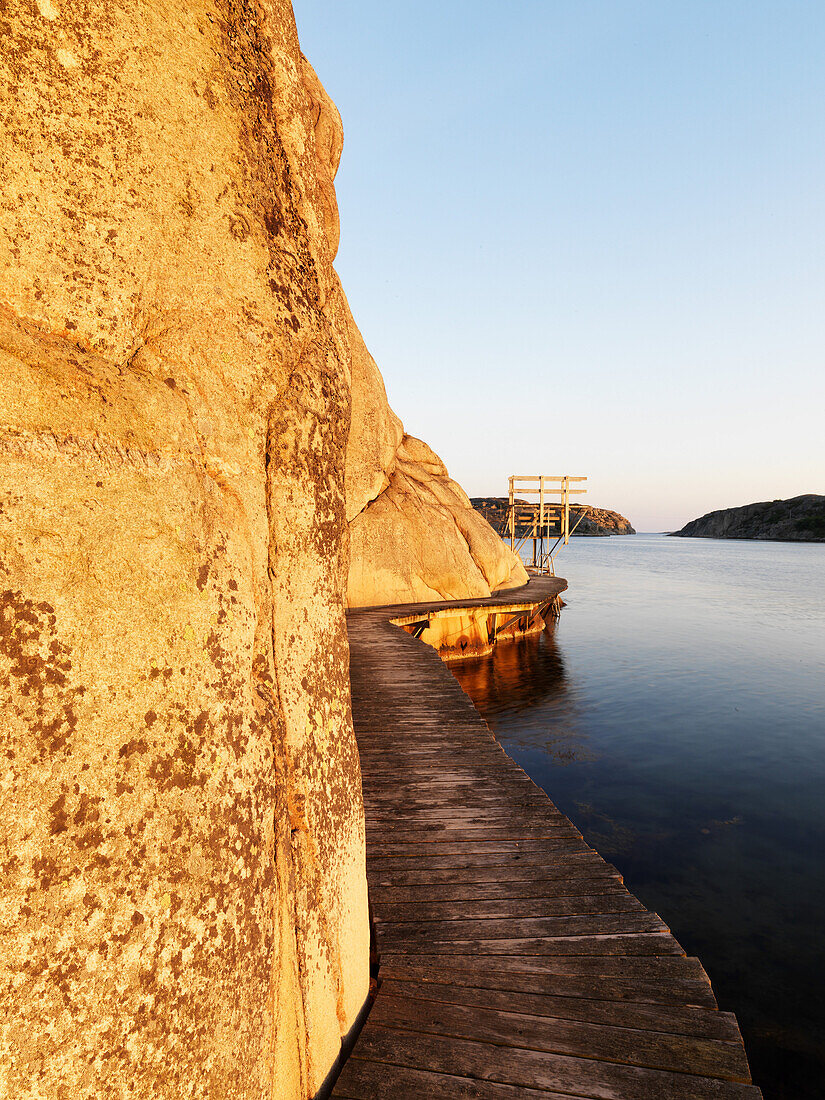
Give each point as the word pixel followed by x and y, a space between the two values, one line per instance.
pixel 414 534
pixel 596 521
pixel 599 521
pixel 799 519
pixel 418 538
pixel 184 907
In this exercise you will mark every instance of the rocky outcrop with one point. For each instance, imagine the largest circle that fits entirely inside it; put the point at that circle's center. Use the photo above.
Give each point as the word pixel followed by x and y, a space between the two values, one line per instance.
pixel 413 532
pixel 599 521
pixel 799 519
pixel 594 521
pixel 419 537
pixel 184 898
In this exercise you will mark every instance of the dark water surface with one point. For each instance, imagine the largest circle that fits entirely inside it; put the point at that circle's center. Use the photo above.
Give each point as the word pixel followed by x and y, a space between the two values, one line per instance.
pixel 676 713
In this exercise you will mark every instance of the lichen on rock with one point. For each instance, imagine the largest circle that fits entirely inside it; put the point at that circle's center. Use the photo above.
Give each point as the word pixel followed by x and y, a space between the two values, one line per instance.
pixel 184 905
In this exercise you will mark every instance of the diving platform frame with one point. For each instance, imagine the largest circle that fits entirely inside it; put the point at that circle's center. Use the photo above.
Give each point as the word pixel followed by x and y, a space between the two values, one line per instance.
pixel 545 523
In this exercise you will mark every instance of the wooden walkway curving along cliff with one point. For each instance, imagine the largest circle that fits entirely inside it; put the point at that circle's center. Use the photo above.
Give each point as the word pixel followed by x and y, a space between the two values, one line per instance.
pixel 513 962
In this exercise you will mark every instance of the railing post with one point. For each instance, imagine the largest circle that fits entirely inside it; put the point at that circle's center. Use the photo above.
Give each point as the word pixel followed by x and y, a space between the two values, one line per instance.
pixel 512 516
pixel 541 518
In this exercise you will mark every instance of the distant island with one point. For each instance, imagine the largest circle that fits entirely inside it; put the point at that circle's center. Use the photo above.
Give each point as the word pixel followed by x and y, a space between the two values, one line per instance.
pixel 799 519
pixel 595 521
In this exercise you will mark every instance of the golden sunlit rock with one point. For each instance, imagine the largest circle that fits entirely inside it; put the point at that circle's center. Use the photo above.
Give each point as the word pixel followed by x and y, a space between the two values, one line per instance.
pixel 184 906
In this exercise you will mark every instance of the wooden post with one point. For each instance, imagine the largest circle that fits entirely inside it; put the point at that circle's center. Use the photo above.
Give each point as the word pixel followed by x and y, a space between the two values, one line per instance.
pixel 541 516
pixel 511 516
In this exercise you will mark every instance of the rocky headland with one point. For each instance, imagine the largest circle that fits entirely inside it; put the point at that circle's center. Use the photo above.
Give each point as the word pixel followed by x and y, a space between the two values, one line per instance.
pixel 599 521
pixel 798 519
pixel 588 520
pixel 199 471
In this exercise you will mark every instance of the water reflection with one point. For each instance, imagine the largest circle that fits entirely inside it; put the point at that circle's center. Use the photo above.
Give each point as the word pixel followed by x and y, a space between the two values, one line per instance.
pixel 528 677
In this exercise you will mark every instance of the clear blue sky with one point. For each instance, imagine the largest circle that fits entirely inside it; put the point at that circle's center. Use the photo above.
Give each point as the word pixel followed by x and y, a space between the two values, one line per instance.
pixel 586 237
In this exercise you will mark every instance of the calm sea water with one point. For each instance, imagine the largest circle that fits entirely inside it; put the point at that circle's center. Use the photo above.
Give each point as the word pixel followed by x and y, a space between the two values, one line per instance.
pixel 676 713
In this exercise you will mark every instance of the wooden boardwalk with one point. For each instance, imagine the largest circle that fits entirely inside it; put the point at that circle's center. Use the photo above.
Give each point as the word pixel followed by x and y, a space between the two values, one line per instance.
pixel 513 960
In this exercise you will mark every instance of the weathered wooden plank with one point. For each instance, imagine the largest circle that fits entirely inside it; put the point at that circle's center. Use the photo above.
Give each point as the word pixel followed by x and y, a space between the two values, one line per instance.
pixel 481 758
pixel 488 807
pixel 403 770
pixel 466 826
pixel 625 1045
pixel 462 824
pixel 478 855
pixel 506 908
pixel 616 989
pixel 512 928
pixel 438 770
pixel 642 943
pixel 560 885
pixel 443 800
pixel 562 846
pixel 434 818
pixel 494 798
pixel 704 1023
pixel 540 1069
pixel 478 757
pixel 455 845
pixel 467 771
pixel 573 864
pixel 459 817
pixel 466 823
pixel 490 797
pixel 664 968
pixel 362 1080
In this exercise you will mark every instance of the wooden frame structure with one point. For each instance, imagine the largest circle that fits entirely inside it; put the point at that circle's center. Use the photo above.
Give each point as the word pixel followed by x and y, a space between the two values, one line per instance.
pixel 546 523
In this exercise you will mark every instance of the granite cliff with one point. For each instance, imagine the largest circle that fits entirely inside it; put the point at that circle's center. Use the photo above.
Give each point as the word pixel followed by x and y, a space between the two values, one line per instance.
pixel 421 539
pixel 595 521
pixel 414 534
pixel 184 895
pixel 799 519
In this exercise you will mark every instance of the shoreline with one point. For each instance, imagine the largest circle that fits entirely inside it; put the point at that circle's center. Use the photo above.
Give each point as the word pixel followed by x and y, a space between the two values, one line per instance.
pixel 744 538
